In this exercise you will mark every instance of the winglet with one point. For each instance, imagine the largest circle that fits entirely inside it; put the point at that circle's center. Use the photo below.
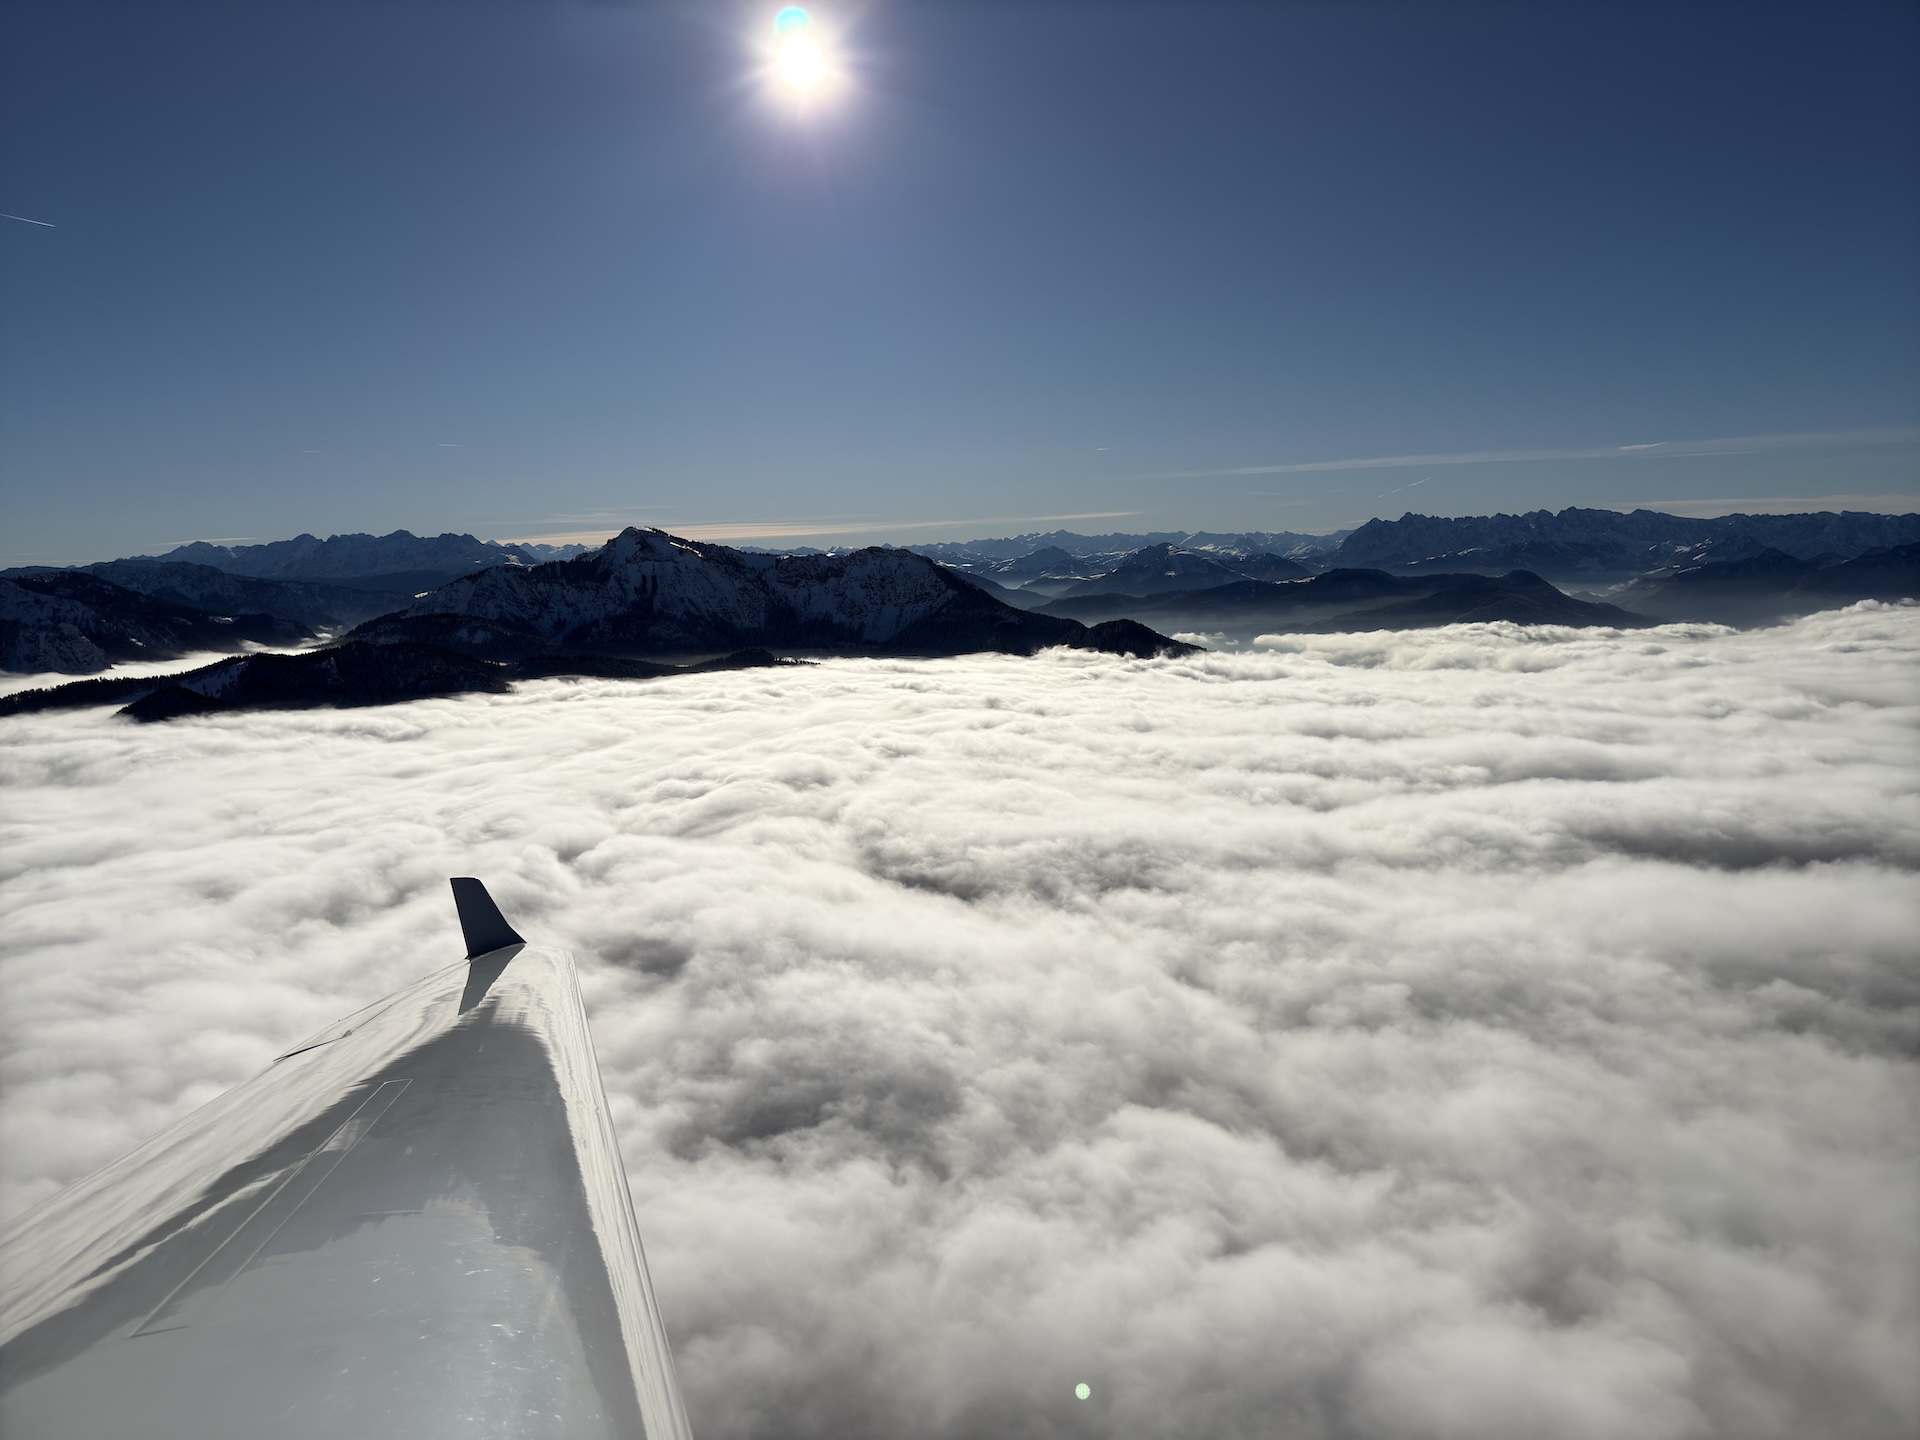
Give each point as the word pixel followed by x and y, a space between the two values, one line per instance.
pixel 485 927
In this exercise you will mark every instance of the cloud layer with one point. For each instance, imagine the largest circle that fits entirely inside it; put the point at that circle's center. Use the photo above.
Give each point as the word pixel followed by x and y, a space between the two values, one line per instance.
pixel 1475 1032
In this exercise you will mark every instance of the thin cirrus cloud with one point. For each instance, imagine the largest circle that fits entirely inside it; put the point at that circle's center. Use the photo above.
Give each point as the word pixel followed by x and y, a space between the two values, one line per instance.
pixel 1645 450
pixel 1479 1031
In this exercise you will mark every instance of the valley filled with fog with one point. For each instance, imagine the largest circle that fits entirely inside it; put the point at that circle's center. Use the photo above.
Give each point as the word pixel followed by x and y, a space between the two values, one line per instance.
pixel 1483 1031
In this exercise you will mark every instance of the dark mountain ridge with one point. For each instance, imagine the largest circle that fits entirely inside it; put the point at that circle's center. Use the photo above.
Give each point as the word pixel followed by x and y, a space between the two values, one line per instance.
pixel 1585 547
pixel 311 602
pixel 648 593
pixel 1518 597
pixel 1605 546
pixel 74 623
pixel 1158 569
pixel 400 560
pixel 1048 562
pixel 1737 569
pixel 1774 585
pixel 1073 553
pixel 1354 599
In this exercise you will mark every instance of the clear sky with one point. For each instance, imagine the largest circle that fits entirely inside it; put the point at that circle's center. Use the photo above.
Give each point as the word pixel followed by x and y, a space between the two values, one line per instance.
pixel 534 269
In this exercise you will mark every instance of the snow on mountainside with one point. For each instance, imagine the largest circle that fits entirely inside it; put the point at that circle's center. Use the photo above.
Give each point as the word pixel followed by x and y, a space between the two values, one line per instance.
pixel 648 592
pixel 689 591
pixel 76 623
pixel 46 633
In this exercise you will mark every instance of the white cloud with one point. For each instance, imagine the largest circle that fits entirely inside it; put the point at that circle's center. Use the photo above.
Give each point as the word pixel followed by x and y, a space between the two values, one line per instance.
pixel 1477 1032
pixel 13 681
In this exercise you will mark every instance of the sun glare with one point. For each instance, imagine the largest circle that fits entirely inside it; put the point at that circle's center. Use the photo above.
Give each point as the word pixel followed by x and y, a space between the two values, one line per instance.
pixel 800 64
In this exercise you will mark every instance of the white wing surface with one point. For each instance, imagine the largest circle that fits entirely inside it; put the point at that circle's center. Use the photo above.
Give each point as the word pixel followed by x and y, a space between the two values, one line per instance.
pixel 415 1226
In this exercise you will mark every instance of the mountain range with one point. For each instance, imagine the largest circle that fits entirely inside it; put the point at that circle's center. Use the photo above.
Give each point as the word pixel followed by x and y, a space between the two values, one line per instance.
pixel 73 622
pixel 1587 547
pixel 1352 600
pixel 1638 567
pixel 647 593
pixel 1088 555
pixel 1605 546
pixel 614 612
pixel 326 584
pixel 1157 569
pixel 320 603
pixel 399 561
pixel 1774 585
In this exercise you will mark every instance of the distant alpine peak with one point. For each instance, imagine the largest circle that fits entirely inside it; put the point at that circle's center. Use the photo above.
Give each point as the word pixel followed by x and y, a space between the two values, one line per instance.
pixel 652 543
pixel 649 592
pixel 654 582
pixel 634 547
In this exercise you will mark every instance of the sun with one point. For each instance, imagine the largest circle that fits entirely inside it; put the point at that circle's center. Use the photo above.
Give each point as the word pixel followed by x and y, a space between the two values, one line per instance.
pixel 801 66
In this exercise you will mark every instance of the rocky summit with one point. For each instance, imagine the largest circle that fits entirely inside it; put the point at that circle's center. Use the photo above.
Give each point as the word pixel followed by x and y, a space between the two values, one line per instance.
pixel 646 592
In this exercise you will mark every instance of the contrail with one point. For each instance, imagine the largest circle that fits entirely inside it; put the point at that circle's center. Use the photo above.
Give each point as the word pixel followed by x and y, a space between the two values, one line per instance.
pixel 48 223
pixel 1398 488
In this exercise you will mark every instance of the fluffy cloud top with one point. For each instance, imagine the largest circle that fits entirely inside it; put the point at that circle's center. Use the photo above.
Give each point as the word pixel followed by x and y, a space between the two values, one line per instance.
pixel 1475 1032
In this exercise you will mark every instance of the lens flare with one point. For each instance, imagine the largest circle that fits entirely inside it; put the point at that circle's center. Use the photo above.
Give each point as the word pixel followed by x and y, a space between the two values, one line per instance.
pixel 800 63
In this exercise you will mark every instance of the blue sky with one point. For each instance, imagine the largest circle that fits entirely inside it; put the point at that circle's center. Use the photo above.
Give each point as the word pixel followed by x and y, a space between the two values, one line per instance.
pixel 549 268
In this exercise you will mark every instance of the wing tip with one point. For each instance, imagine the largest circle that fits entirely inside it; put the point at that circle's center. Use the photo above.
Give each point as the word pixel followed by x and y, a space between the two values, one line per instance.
pixel 481 922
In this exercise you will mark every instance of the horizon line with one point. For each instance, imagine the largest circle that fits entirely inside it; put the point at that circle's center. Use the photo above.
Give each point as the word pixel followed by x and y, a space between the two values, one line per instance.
pixel 1716 506
pixel 775 529
pixel 1891 505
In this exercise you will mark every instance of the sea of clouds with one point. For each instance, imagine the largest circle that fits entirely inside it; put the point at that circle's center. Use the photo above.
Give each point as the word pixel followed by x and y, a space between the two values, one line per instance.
pixel 1480 1032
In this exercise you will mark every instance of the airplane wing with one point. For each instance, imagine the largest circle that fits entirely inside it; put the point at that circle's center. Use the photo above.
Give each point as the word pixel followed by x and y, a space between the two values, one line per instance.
pixel 413 1226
